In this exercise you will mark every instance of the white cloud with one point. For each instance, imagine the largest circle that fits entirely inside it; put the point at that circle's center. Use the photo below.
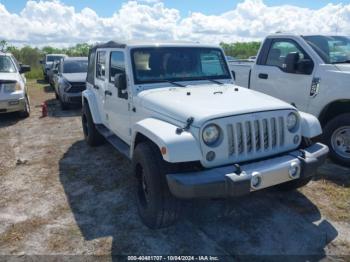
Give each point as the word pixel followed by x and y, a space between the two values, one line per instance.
pixel 54 23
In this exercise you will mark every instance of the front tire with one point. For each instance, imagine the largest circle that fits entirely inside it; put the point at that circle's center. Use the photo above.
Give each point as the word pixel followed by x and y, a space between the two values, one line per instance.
pixel 92 136
pixel 26 112
pixel 336 135
pixel 157 207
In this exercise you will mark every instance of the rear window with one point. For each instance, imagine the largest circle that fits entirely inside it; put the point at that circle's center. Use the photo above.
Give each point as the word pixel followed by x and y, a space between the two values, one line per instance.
pixel 6 65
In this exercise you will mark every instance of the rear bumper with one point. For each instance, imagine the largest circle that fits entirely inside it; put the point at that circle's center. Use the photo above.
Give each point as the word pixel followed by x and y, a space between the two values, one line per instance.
pixel 224 182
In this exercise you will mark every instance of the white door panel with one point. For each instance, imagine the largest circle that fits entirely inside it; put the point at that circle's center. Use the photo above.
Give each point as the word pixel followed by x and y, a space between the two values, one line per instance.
pixel 117 108
pixel 292 88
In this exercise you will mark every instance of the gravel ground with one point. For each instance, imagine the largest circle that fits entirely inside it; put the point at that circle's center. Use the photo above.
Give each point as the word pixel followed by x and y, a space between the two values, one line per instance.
pixel 58 196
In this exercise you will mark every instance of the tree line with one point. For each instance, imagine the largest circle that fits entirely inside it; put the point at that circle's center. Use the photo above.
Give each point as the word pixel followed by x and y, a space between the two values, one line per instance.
pixel 32 55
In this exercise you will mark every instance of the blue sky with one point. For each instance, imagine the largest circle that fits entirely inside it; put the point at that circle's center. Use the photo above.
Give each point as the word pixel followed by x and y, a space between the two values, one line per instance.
pixel 108 7
pixel 55 23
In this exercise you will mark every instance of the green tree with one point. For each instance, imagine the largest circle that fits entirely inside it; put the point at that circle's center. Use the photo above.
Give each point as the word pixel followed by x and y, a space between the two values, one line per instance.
pixel 3 45
pixel 241 50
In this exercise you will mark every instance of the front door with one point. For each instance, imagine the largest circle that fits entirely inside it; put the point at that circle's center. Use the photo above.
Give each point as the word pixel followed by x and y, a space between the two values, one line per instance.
pixel 116 107
pixel 271 76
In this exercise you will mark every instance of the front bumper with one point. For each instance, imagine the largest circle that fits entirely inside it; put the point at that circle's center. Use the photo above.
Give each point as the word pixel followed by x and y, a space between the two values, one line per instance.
pixel 72 98
pixel 12 105
pixel 225 182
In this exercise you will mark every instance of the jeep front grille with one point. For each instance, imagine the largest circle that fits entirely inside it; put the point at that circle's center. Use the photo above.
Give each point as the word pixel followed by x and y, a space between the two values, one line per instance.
pixel 254 136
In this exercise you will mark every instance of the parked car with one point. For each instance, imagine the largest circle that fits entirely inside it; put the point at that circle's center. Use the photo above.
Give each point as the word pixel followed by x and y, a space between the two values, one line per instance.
pixel 48 61
pixel 311 72
pixel 13 91
pixel 190 132
pixel 51 72
pixel 70 77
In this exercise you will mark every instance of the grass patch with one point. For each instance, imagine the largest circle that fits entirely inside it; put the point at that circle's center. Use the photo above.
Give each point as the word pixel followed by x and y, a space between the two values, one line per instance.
pixel 35 73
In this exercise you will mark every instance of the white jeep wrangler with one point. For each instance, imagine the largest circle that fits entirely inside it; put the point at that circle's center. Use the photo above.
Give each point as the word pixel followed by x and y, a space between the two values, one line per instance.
pixel 173 110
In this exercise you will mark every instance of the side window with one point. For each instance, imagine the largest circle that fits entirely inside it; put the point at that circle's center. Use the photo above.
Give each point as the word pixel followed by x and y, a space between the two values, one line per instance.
pixel 117 64
pixel 91 68
pixel 101 65
pixel 282 51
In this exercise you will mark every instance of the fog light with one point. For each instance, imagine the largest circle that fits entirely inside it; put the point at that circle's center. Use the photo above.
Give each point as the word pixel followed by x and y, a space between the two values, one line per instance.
pixel 210 155
pixel 296 139
pixel 256 180
pixel 294 170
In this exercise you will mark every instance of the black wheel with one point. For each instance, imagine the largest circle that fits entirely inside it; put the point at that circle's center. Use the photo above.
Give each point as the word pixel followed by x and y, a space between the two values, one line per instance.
pixel 26 112
pixel 336 135
pixel 156 206
pixel 56 96
pixel 292 185
pixel 92 136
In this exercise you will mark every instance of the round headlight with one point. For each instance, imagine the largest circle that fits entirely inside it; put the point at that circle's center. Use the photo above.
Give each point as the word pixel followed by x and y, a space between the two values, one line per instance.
pixel 211 134
pixel 292 121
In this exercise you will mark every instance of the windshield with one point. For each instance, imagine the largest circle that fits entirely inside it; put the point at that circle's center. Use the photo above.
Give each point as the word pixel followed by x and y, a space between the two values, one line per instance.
pixel 53 58
pixel 75 66
pixel 6 65
pixel 161 64
pixel 332 49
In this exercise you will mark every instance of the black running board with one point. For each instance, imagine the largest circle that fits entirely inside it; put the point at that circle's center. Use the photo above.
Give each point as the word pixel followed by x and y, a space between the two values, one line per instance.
pixel 115 141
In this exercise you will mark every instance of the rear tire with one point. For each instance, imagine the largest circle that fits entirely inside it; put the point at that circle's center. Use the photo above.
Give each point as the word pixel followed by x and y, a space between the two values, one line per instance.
pixel 336 135
pixel 157 207
pixel 92 136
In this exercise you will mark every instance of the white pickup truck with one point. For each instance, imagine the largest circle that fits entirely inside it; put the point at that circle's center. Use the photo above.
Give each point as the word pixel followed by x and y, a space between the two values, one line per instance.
pixel 173 109
pixel 311 72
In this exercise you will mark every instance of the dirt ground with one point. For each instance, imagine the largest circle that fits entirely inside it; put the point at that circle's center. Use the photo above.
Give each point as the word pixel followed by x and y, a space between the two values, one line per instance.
pixel 58 196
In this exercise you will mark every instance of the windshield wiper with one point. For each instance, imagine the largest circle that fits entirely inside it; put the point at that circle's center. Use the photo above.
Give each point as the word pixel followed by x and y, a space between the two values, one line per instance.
pixel 173 83
pixel 342 62
pixel 214 81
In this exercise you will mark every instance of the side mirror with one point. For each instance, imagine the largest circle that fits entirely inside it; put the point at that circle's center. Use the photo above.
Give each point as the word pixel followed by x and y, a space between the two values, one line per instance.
pixel 120 83
pixel 291 62
pixel 24 69
pixel 305 66
pixel 41 62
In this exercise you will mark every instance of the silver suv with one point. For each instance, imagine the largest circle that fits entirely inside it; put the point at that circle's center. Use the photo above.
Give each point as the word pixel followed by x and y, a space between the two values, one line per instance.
pixel 13 91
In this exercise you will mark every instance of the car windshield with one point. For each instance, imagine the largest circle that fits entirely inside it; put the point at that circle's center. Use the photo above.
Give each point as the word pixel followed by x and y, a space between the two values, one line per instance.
pixel 6 65
pixel 53 58
pixel 332 49
pixel 162 64
pixel 75 66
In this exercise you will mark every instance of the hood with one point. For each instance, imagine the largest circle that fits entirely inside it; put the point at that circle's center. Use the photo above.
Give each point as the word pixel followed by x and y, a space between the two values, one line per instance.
pixel 206 102
pixel 9 76
pixel 343 67
pixel 75 77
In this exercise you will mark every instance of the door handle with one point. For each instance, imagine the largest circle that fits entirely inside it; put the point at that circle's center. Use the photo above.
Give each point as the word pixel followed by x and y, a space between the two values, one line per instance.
pixel 96 87
pixel 263 76
pixel 108 93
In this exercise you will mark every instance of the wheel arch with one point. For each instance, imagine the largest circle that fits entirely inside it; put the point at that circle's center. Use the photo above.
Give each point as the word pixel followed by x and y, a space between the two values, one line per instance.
pixel 334 109
pixel 174 147
pixel 89 99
